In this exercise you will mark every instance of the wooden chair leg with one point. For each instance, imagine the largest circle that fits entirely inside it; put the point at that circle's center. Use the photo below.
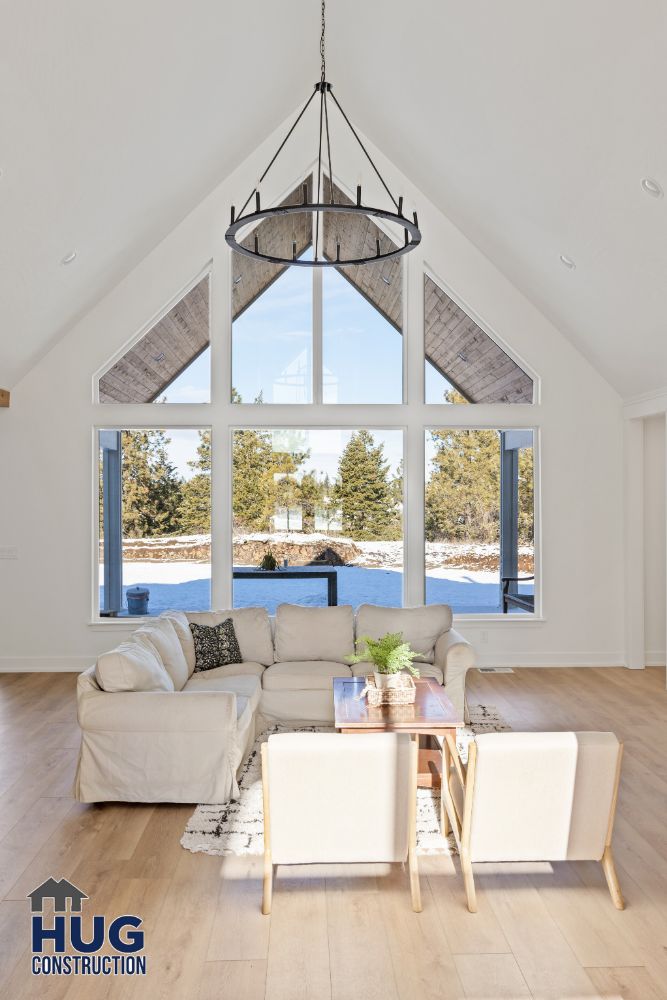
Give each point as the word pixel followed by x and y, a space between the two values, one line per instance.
pixel 415 889
pixel 469 882
pixel 612 879
pixel 267 892
pixel 445 825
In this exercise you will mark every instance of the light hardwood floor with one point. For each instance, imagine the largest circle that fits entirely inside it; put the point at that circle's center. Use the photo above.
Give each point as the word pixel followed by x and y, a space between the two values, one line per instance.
pixel 543 931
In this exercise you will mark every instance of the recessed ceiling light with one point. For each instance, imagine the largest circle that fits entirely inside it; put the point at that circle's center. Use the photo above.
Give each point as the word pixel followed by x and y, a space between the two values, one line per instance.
pixel 651 186
pixel 386 280
pixel 239 279
pixel 462 357
pixel 567 262
pixel 159 357
pixel 69 257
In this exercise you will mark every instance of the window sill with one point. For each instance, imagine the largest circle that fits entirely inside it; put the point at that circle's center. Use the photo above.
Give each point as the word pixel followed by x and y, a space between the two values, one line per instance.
pixel 109 624
pixel 494 620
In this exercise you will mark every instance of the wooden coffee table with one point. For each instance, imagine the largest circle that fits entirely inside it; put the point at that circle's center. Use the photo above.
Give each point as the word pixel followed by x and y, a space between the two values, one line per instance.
pixel 431 715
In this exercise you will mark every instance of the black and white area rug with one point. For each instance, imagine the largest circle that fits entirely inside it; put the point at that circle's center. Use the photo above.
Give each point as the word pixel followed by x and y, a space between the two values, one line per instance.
pixel 237 826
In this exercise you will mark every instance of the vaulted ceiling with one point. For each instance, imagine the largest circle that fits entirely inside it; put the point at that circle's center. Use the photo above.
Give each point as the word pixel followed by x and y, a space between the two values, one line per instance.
pixel 529 125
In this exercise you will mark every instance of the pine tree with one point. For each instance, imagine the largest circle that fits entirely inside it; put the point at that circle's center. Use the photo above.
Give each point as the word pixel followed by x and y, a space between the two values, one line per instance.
pixel 526 497
pixel 363 492
pixel 152 489
pixel 252 480
pixel 195 509
pixel 463 492
pixel 310 498
pixel 286 490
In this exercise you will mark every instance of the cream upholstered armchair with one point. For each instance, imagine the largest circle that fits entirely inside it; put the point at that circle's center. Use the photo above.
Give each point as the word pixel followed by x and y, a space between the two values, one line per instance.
pixel 333 798
pixel 533 797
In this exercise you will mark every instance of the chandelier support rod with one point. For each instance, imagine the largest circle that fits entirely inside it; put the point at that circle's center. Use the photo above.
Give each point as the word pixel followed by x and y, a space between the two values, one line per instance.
pixel 326 120
pixel 366 153
pixel 319 168
pixel 279 150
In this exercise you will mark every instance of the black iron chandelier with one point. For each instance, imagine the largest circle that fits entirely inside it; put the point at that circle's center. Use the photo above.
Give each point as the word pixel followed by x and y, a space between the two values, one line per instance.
pixel 320 208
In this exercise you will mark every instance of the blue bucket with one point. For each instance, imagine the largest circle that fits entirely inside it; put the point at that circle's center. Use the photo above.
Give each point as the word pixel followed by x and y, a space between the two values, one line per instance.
pixel 137 600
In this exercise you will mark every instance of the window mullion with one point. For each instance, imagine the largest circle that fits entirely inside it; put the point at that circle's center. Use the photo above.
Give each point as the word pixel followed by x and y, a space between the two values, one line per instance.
pixel 318 368
pixel 317 372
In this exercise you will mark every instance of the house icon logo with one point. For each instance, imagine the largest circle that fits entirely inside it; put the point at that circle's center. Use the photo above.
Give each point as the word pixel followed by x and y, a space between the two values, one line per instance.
pixel 63 944
pixel 62 893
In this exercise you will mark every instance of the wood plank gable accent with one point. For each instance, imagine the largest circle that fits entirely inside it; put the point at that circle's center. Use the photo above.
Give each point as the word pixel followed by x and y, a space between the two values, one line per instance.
pixel 381 284
pixel 251 278
pixel 152 364
pixel 466 356
pixel 454 344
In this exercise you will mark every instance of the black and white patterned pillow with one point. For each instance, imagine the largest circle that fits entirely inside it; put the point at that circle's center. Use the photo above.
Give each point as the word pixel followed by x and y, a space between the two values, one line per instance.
pixel 230 651
pixel 215 645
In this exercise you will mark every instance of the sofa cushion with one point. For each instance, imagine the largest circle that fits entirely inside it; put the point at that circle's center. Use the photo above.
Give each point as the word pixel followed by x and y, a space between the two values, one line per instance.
pixel 132 666
pixel 425 670
pixel 314 633
pixel 420 626
pixel 180 622
pixel 162 637
pixel 247 686
pixel 245 669
pixel 215 645
pixel 303 675
pixel 252 627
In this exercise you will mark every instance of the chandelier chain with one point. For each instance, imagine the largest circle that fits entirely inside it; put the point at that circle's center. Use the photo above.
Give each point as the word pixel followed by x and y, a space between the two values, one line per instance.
pixel 322 45
pixel 388 249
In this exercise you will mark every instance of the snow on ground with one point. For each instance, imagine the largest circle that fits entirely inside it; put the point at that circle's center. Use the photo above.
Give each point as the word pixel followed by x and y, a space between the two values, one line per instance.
pixel 388 555
pixel 187 585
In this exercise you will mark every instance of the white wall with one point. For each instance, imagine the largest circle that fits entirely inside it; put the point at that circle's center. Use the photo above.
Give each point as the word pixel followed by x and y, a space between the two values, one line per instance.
pixel 46 448
pixel 655 515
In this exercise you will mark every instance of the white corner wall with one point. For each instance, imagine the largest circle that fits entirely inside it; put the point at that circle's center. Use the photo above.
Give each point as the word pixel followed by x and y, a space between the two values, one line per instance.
pixel 47 506
pixel 655 543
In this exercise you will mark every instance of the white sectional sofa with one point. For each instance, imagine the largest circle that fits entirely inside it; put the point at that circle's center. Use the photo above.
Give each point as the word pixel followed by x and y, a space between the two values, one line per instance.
pixel 154 730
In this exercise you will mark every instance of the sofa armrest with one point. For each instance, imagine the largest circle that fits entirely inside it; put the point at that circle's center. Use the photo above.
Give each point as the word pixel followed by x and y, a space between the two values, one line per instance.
pixel 455 656
pixel 157 711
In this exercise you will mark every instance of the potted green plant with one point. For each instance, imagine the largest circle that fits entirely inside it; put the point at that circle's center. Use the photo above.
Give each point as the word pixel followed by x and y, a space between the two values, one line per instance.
pixel 269 561
pixel 389 656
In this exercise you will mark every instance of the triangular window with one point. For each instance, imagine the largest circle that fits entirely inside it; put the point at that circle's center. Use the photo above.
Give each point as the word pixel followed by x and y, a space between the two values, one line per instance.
pixel 463 363
pixel 170 363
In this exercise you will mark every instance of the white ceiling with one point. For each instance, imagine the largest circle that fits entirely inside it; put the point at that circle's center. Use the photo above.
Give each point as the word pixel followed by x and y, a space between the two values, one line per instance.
pixel 529 124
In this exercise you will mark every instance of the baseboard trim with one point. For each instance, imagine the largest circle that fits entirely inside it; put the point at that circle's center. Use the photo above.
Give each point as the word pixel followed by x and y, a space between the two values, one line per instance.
pixel 655 658
pixel 486 657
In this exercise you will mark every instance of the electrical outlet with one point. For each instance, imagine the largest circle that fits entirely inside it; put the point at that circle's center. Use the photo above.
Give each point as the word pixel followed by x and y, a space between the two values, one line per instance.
pixel 9 552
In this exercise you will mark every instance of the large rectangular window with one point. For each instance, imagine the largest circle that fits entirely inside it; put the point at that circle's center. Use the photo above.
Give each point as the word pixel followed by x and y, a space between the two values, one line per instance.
pixel 479 520
pixel 155 521
pixel 318 500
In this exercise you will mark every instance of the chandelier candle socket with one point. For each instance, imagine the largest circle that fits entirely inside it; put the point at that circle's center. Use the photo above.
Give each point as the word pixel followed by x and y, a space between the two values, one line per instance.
pixel 319 209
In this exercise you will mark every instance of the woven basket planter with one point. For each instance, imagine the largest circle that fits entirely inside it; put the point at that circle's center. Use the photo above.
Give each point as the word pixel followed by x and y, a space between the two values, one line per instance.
pixel 404 692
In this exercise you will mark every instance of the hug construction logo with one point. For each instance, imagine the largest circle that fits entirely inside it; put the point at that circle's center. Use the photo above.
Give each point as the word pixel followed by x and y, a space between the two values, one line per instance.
pixel 71 951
